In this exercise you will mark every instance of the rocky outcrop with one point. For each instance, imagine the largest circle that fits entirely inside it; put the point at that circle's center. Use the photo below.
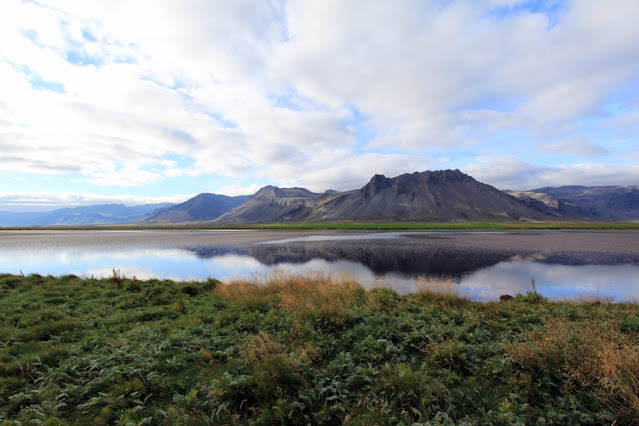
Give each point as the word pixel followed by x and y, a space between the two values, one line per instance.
pixel 552 206
pixel 271 204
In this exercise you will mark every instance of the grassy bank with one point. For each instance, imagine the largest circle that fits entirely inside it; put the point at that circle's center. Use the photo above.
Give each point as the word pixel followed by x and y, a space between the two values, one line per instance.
pixel 398 226
pixel 307 350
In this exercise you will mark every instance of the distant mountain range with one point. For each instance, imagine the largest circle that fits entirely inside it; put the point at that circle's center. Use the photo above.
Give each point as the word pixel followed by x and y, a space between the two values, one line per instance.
pixel 610 203
pixel 442 196
pixel 430 196
pixel 101 214
pixel 201 208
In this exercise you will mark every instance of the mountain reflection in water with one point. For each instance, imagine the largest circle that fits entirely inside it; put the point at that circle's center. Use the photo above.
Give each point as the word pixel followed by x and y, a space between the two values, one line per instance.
pixel 477 273
pixel 379 258
pixel 483 271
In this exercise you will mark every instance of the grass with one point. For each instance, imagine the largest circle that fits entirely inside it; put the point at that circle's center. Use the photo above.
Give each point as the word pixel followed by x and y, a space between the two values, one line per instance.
pixel 307 349
pixel 400 226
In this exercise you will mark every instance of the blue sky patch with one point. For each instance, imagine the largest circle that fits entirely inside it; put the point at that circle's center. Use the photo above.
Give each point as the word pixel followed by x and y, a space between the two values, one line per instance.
pixel 224 123
pixel 553 10
pixel 30 34
pixel 292 100
pixel 88 35
pixel 80 57
pixel 359 125
pixel 37 81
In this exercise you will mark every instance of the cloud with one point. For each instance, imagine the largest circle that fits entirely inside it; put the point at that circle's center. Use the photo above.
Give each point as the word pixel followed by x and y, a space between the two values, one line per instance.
pixel 43 201
pixel 314 94
pixel 581 147
pixel 234 190
pixel 514 174
pixel 125 177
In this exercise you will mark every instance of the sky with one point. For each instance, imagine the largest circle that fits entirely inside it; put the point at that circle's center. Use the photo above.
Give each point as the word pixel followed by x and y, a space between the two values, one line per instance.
pixel 150 101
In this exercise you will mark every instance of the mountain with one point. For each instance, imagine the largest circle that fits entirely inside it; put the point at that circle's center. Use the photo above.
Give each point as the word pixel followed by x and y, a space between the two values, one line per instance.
pixel 546 203
pixel 201 208
pixel 446 195
pixel 442 196
pixel 101 214
pixel 614 203
pixel 272 204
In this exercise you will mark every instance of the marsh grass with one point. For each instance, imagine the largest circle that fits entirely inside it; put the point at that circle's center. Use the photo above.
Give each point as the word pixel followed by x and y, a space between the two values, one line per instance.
pixel 598 356
pixel 439 290
pixel 308 349
pixel 435 226
pixel 314 295
pixel 437 286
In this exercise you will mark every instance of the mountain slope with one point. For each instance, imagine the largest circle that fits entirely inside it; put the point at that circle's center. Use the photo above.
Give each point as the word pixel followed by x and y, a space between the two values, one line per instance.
pixel 546 203
pixel 271 204
pixel 602 202
pixel 201 208
pixel 447 195
pixel 101 214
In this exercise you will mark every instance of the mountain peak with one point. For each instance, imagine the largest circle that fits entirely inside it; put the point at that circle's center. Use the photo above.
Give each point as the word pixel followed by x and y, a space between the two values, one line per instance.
pixel 201 208
pixel 271 192
pixel 447 175
pixel 377 184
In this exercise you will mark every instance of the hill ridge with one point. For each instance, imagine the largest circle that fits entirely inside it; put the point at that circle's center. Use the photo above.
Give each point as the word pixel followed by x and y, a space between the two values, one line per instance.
pixel 442 195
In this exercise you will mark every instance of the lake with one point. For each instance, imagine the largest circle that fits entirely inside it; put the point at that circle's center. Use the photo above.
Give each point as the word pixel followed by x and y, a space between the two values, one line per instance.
pixel 481 265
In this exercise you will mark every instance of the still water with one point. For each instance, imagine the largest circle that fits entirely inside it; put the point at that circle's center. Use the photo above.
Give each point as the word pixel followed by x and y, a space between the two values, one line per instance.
pixel 480 265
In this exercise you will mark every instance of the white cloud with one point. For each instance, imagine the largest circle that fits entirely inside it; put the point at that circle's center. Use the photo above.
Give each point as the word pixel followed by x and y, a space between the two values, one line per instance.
pixel 125 177
pixel 42 201
pixel 420 74
pixel 514 174
pixel 315 94
pixel 233 189
pixel 581 147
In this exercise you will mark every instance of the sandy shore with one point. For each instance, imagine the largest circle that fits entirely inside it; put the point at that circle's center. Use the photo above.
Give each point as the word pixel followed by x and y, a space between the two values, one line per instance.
pixel 622 242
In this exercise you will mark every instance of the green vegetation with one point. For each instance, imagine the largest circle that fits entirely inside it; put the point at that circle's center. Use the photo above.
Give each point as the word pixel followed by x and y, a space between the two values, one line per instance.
pixel 455 226
pixel 398 226
pixel 309 349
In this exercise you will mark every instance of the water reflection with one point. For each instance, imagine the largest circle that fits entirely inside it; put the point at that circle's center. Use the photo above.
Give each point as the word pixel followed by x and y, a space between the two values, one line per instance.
pixel 620 282
pixel 379 258
pixel 477 274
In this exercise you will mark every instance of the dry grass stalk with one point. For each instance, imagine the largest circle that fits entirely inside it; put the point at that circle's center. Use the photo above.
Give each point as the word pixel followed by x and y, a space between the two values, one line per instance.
pixel 439 290
pixel 313 294
pixel 443 286
pixel 590 354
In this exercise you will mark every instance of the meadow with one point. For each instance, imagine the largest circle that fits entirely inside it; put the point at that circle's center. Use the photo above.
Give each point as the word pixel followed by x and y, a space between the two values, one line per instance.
pixel 311 349
pixel 373 226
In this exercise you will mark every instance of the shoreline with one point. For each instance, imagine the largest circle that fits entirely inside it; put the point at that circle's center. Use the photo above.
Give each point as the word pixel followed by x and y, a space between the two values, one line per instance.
pixel 400 226
pixel 566 241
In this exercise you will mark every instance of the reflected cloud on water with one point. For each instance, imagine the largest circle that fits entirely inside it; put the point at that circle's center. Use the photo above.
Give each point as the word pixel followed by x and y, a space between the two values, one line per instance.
pixel 478 274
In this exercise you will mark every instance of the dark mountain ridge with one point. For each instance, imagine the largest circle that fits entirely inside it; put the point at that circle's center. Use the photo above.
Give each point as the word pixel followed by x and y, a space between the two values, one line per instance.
pixel 447 195
pixel 444 196
pixel 271 204
pixel 429 196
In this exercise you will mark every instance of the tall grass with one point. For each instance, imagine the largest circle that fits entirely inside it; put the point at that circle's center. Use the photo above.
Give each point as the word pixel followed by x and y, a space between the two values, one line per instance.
pixel 596 355
pixel 313 295
pixel 307 349
pixel 440 290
